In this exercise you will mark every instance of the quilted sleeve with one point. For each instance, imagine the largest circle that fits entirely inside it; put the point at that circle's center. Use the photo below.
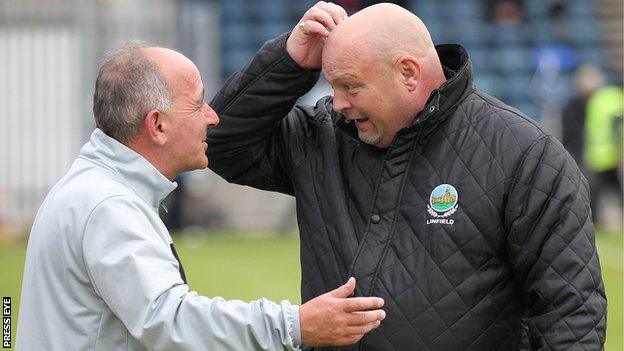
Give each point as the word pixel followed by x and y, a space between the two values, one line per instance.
pixel 552 250
pixel 255 107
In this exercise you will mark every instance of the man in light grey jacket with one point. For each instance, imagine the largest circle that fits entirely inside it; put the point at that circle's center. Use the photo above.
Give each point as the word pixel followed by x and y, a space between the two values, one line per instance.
pixel 101 271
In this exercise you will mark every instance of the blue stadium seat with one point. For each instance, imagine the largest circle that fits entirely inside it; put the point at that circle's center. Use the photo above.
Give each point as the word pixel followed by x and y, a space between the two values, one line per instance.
pixel 536 9
pixel 580 8
pixel 529 108
pixel 236 33
pixel 511 60
pixel 585 31
pixel 472 32
pixel 442 31
pixel 517 84
pixel 270 10
pixel 593 55
pixel 505 35
pixel 270 29
pixel 234 10
pixel 236 58
pixel 540 31
pixel 472 10
pixel 487 82
pixel 480 58
pixel 427 10
pixel 298 8
pixel 504 92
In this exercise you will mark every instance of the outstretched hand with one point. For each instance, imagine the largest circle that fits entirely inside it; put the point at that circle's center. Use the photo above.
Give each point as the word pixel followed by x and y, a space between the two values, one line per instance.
pixel 306 41
pixel 334 319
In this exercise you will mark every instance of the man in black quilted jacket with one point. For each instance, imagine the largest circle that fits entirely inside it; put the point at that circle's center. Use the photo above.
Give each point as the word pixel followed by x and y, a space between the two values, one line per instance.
pixel 462 213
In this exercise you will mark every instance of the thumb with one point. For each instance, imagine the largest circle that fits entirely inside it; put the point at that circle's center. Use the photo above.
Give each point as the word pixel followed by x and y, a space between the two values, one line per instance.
pixel 345 290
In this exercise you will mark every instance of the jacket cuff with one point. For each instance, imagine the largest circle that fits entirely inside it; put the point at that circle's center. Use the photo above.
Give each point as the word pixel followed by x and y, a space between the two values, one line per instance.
pixel 293 324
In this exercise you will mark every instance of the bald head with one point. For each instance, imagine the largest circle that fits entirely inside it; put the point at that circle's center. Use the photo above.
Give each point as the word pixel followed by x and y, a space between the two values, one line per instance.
pixel 381 32
pixel 179 72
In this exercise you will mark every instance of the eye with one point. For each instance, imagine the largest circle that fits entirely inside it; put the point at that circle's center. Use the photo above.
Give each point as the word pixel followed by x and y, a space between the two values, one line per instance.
pixel 200 106
pixel 196 112
pixel 350 87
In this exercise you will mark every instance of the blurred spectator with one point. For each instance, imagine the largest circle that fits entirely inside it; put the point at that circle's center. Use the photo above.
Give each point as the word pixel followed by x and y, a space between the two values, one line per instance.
pixel 505 12
pixel 603 146
pixel 552 64
pixel 587 79
pixel 556 8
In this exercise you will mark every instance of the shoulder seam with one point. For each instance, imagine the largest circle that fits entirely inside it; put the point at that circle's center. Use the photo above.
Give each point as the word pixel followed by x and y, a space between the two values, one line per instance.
pixel 526 118
pixel 514 177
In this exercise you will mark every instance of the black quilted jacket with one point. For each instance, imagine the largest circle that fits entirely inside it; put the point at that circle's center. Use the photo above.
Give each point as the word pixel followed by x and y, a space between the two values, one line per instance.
pixel 474 226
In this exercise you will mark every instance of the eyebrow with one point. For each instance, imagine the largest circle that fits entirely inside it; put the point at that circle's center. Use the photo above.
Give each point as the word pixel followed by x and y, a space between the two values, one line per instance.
pixel 340 76
pixel 342 79
pixel 345 80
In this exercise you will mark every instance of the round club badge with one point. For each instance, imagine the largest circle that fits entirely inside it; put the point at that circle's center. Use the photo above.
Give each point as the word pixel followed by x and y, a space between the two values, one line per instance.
pixel 443 201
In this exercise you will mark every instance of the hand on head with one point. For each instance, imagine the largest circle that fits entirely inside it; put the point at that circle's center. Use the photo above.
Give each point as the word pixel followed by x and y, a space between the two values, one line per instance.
pixel 305 44
pixel 336 319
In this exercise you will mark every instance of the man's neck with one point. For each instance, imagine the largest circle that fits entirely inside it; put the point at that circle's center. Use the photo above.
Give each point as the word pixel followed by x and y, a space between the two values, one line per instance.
pixel 153 155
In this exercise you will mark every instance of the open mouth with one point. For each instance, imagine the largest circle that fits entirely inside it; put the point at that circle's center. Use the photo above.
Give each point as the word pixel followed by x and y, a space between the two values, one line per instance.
pixel 360 121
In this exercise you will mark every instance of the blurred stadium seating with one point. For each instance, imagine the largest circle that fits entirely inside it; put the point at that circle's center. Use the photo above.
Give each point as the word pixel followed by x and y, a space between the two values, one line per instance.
pixel 51 51
pixel 501 53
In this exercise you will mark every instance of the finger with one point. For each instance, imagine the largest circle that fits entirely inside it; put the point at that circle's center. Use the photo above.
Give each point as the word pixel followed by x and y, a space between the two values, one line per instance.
pixel 322 17
pixel 337 12
pixel 344 290
pixel 362 329
pixel 313 28
pixel 341 11
pixel 363 318
pixel 362 304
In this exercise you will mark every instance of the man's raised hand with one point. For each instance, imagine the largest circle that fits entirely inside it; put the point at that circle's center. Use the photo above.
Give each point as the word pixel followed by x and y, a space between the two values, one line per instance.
pixel 306 41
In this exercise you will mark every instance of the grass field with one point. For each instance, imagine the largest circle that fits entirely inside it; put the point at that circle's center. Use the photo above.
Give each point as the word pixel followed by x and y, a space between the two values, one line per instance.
pixel 246 268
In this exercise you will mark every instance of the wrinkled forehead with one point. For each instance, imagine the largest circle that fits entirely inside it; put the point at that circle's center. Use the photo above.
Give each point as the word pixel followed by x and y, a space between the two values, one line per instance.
pixel 343 54
pixel 341 66
pixel 178 70
pixel 185 80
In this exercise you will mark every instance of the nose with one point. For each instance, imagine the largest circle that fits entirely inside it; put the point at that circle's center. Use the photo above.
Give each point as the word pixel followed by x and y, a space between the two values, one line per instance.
pixel 340 103
pixel 211 116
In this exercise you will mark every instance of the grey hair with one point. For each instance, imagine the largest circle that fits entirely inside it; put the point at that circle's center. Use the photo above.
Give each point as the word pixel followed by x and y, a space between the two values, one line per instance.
pixel 128 86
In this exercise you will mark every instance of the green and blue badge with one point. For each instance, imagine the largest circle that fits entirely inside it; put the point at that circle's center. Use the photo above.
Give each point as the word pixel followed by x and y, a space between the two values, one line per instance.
pixel 442 204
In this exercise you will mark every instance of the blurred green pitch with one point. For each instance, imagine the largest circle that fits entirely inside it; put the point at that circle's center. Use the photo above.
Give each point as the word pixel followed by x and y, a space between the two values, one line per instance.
pixel 242 267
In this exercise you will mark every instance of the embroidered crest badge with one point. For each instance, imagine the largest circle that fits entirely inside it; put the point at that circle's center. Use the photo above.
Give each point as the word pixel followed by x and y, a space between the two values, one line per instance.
pixel 442 204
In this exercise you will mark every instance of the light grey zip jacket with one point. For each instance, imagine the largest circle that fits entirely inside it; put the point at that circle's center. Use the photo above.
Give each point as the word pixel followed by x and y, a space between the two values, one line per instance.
pixel 100 273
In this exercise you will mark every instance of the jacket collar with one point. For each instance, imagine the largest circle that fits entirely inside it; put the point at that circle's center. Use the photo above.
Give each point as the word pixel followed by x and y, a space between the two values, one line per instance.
pixel 443 101
pixel 132 169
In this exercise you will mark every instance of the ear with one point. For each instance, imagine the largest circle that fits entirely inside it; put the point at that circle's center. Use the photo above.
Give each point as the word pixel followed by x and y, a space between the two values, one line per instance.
pixel 155 125
pixel 410 70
